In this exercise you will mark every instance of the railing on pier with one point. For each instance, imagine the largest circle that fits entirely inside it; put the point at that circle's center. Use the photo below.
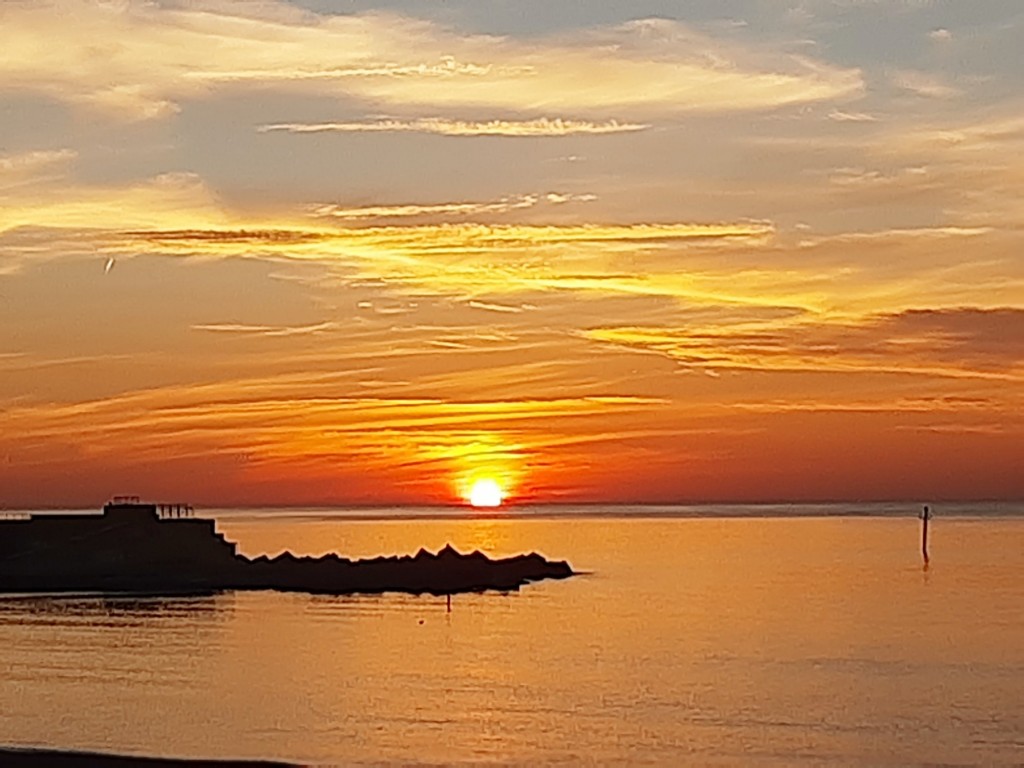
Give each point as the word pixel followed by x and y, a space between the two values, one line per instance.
pixel 174 511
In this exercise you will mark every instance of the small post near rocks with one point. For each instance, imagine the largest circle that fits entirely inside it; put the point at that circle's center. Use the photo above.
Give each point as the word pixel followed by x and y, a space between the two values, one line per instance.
pixel 926 515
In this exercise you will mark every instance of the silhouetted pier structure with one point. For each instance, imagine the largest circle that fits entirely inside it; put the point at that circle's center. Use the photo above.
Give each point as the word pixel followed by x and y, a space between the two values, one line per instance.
pixel 171 511
pixel 162 510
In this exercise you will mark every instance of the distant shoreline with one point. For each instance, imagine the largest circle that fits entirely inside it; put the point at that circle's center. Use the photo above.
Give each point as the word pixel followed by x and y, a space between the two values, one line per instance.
pixel 981 510
pixel 867 508
pixel 26 757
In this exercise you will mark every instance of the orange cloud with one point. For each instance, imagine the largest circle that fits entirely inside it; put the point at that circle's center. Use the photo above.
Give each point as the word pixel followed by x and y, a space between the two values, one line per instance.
pixel 954 343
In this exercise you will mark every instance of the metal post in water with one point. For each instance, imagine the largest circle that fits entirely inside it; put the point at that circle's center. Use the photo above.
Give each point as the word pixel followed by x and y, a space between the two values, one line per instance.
pixel 449 610
pixel 926 515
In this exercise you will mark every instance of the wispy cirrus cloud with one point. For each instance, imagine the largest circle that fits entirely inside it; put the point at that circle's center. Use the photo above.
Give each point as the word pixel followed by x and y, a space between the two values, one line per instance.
pixel 916 234
pixel 270 331
pixel 178 215
pixel 899 404
pixel 409 210
pixel 166 198
pixel 407 246
pixel 18 167
pixel 491 306
pixel 462 237
pixel 846 116
pixel 996 134
pixel 445 67
pixel 469 258
pixel 959 429
pixel 954 343
pixel 977 161
pixel 863 177
pixel 157 56
pixel 924 84
pixel 537 128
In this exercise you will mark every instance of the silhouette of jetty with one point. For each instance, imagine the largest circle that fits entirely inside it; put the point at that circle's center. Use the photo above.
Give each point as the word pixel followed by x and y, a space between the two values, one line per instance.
pixel 14 757
pixel 164 549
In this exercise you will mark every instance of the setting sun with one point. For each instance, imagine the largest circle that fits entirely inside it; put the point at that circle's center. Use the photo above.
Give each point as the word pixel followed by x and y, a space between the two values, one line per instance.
pixel 485 493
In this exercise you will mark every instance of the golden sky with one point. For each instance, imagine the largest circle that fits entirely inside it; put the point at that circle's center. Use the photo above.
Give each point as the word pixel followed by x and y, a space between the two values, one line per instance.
pixel 348 252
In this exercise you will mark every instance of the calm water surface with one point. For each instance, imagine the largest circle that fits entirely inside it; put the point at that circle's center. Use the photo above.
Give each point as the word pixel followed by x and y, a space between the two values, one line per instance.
pixel 754 641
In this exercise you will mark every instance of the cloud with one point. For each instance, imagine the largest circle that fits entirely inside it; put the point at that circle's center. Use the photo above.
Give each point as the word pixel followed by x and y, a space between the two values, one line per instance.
pixel 446 67
pixel 178 215
pixel 537 128
pixel 995 335
pixel 466 258
pixel 843 116
pixel 503 205
pixel 263 426
pixel 878 404
pixel 47 217
pixel 494 307
pixel 461 237
pixel 740 262
pixel 918 233
pixel 32 161
pixel 162 200
pixel 995 134
pixel 20 362
pixel 976 160
pixel 996 428
pixel 862 177
pixel 17 170
pixel 955 343
pixel 139 60
pixel 924 84
pixel 737 262
pixel 129 102
pixel 269 331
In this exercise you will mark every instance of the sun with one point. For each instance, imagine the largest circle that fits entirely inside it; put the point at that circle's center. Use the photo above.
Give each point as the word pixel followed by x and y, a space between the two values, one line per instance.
pixel 485 493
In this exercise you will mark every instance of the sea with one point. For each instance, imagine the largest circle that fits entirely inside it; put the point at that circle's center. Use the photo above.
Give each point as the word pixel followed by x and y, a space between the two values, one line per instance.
pixel 768 635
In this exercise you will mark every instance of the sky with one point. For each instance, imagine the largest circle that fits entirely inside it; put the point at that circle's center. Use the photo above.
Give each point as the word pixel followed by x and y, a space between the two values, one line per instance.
pixel 350 252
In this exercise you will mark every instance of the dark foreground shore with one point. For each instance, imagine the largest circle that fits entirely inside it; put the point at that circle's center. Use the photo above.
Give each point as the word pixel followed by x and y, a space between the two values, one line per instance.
pixel 12 757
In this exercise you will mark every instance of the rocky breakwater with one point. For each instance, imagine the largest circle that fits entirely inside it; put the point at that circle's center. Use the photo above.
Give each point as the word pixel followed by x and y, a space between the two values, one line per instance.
pixel 447 572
